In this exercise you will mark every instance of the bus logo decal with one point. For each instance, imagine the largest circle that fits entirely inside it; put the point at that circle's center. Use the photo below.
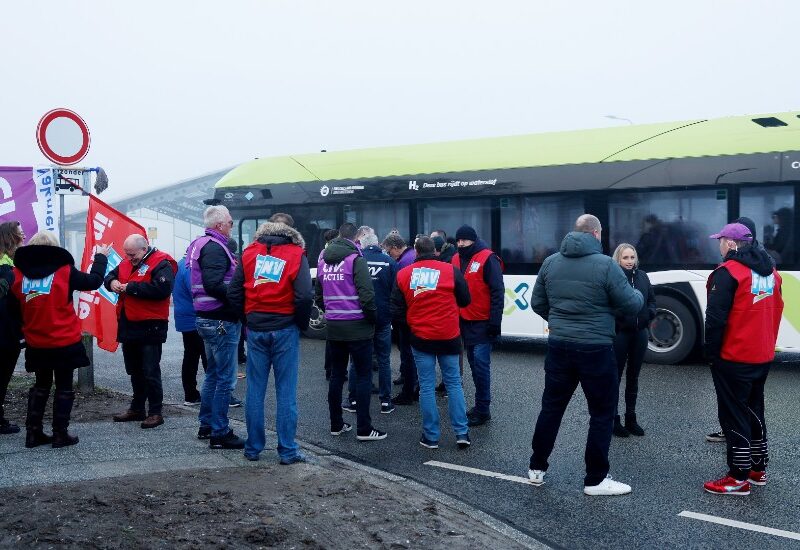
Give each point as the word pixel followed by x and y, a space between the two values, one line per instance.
pixel 516 299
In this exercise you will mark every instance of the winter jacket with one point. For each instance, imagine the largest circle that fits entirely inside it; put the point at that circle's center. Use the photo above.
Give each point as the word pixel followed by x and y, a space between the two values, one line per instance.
pixel 383 270
pixel 723 288
pixel 185 317
pixel 447 253
pixel 277 234
pixel 406 258
pixel 38 262
pixel 400 311
pixel 639 280
pixel 362 329
pixel 579 290
pixel 214 265
pixel 152 331
pixel 10 326
pixel 482 332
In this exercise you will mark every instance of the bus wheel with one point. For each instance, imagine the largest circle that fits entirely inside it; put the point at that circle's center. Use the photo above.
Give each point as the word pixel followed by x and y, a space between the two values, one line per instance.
pixel 673 332
pixel 317 327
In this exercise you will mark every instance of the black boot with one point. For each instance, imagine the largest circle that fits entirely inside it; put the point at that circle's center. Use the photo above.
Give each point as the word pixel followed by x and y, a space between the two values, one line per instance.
pixel 619 429
pixel 631 425
pixel 37 401
pixel 62 408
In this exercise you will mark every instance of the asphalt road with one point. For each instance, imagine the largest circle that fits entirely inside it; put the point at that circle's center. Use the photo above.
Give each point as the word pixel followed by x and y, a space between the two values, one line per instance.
pixel 666 467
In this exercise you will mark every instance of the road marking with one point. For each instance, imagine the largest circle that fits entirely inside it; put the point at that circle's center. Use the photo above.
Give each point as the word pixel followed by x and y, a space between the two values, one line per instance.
pixel 741 525
pixel 476 471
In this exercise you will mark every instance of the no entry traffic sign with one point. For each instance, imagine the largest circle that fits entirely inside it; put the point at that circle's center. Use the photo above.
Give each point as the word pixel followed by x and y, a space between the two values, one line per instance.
pixel 63 137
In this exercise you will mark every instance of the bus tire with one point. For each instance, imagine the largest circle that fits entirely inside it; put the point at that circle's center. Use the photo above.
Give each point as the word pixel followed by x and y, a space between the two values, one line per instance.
pixel 673 332
pixel 317 328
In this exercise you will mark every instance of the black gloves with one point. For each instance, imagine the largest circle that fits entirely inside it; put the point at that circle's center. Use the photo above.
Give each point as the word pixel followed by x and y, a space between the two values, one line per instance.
pixel 493 331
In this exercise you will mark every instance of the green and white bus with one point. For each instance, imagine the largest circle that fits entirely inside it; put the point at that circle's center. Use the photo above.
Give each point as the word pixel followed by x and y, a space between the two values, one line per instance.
pixel 662 187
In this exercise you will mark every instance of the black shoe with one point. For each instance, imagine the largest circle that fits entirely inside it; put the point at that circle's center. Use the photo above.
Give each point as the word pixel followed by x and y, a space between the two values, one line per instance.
pixel 632 426
pixel 35 437
pixel 401 399
pixel 463 441
pixel 7 427
pixel 349 407
pixel 399 381
pixel 204 432
pixel 61 438
pixel 441 388
pixel 228 441
pixel 478 419
pixel 619 429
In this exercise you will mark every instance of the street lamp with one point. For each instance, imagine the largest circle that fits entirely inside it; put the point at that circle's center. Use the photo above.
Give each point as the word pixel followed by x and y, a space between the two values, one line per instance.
pixel 614 117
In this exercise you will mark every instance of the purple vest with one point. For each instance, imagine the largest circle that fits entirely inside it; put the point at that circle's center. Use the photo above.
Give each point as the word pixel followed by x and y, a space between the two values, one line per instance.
pixel 200 299
pixel 339 291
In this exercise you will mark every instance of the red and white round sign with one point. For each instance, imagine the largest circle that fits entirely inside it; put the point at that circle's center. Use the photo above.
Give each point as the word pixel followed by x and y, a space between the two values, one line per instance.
pixel 63 137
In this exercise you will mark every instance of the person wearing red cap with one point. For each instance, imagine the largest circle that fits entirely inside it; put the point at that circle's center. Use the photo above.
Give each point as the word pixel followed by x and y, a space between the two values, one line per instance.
pixel 743 314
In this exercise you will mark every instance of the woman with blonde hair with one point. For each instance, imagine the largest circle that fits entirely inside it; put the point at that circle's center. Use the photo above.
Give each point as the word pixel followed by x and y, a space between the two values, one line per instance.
pixel 11 237
pixel 44 279
pixel 630 342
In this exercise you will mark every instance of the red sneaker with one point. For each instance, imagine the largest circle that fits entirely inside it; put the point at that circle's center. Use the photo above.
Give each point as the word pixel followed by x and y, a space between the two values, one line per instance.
pixel 727 486
pixel 758 478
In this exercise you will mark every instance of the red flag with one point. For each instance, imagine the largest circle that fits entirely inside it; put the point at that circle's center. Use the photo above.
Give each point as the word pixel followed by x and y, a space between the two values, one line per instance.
pixel 98 309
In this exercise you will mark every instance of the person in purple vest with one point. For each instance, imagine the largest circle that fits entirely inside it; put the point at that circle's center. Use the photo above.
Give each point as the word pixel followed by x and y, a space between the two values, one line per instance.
pixel 211 266
pixel 344 292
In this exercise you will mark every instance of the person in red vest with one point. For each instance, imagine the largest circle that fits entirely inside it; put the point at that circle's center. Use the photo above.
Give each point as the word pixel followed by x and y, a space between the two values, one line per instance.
pixel 743 314
pixel 44 279
pixel 427 295
pixel 271 288
pixel 481 319
pixel 144 282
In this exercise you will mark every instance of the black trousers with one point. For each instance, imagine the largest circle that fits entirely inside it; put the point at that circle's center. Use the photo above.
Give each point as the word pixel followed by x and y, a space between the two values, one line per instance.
pixel 8 360
pixel 341 352
pixel 408 370
pixel 740 403
pixel 143 365
pixel 62 376
pixel 566 365
pixel 194 351
pixel 629 347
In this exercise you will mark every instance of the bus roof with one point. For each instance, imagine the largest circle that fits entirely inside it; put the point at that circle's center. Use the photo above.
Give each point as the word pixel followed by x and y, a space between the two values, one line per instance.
pixel 694 138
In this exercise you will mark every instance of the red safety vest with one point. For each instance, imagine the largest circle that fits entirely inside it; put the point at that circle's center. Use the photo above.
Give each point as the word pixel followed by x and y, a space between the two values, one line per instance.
pixel 139 309
pixel 269 275
pixel 428 287
pixel 480 306
pixel 48 316
pixel 752 327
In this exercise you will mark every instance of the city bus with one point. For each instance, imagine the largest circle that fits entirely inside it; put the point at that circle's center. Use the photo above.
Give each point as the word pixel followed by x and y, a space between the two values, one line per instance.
pixel 662 187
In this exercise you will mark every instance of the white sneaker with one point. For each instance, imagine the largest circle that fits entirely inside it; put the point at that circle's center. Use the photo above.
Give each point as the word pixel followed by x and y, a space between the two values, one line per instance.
pixel 607 487
pixel 536 477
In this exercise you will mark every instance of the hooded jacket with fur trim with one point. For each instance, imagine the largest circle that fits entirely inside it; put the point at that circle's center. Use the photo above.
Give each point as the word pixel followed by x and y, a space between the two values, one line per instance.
pixel 276 234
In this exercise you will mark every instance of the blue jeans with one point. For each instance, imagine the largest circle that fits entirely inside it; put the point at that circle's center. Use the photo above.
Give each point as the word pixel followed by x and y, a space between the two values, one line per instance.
pixel 279 349
pixel 382 347
pixel 594 367
pixel 456 407
pixel 480 362
pixel 221 355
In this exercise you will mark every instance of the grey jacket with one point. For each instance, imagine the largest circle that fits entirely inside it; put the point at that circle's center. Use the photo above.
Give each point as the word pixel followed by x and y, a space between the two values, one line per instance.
pixel 579 289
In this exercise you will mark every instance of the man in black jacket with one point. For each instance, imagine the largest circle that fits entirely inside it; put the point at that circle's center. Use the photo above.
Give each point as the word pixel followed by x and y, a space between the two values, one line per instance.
pixel 144 283
pixel 482 318
pixel 211 267
pixel 272 287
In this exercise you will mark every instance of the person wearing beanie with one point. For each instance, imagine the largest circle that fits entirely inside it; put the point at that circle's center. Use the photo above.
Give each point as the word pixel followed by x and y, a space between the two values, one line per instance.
pixel 481 319
pixel 743 314
pixel 444 248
